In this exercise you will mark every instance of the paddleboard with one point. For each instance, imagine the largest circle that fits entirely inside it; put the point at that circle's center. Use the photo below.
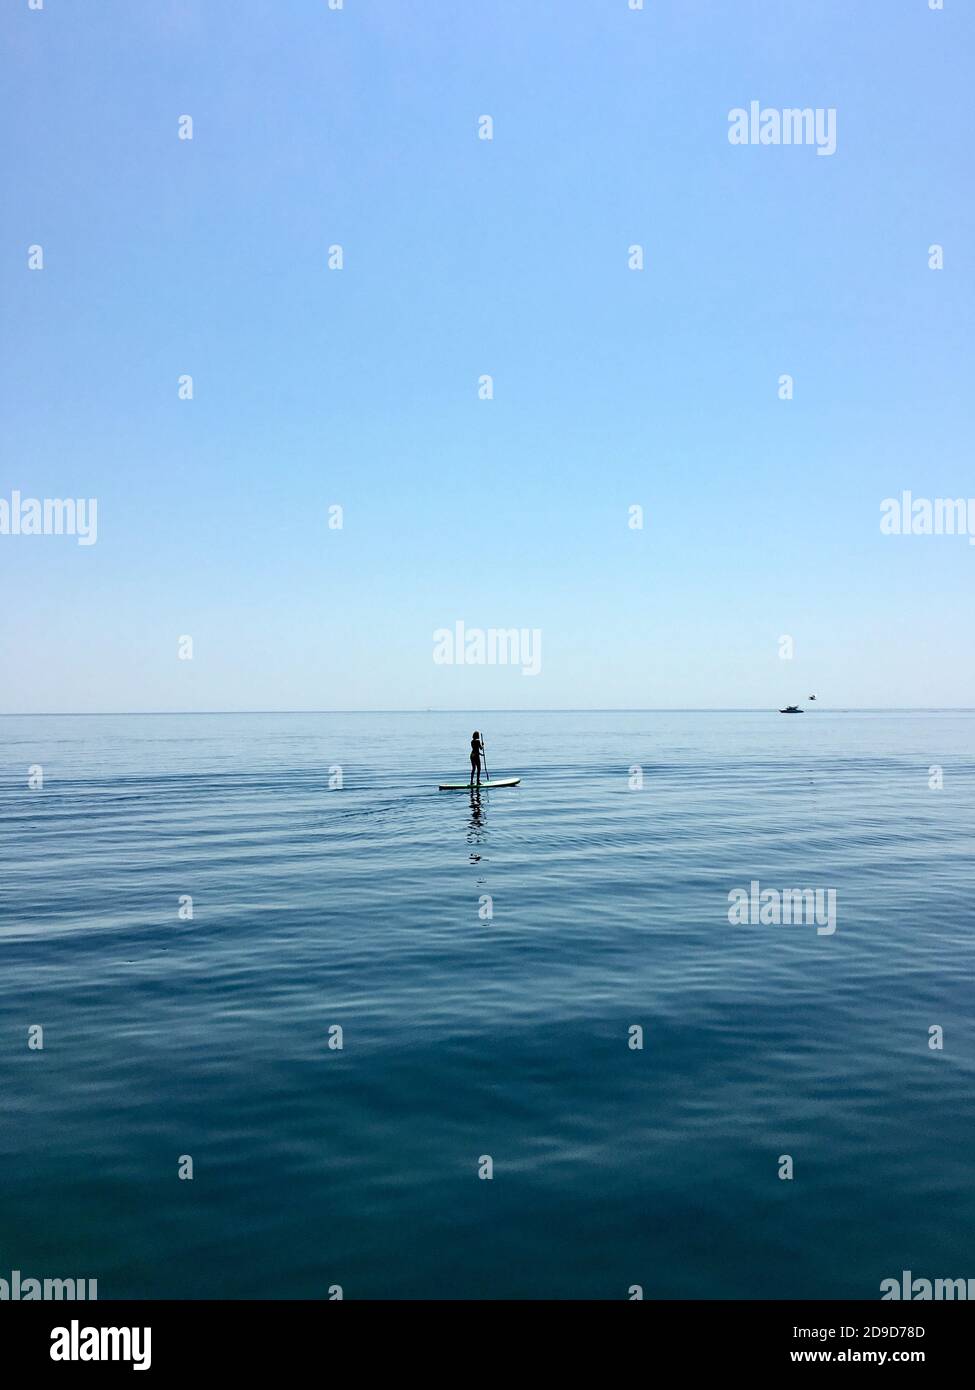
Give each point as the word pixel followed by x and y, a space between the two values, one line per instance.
pixel 478 786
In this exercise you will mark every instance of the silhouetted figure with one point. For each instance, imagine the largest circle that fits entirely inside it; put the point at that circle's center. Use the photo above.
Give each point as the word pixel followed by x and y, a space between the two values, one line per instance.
pixel 477 748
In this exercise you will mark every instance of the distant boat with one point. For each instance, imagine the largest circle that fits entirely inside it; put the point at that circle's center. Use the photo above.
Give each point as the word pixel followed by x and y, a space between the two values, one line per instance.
pixel 812 697
pixel 791 709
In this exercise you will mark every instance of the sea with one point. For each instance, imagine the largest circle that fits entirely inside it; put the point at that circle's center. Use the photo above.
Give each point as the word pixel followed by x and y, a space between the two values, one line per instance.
pixel 279 1019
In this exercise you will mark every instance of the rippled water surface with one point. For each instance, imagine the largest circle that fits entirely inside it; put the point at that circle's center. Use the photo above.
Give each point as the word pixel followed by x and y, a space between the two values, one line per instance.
pixel 463 1036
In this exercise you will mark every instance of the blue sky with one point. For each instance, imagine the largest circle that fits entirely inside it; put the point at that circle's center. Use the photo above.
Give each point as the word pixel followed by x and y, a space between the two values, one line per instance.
pixel 462 256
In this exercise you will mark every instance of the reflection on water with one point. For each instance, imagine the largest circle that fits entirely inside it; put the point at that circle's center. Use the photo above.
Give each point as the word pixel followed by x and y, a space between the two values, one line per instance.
pixel 475 825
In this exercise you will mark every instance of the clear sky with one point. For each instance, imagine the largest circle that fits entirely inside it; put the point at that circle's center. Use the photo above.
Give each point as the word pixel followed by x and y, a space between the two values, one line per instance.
pixel 359 387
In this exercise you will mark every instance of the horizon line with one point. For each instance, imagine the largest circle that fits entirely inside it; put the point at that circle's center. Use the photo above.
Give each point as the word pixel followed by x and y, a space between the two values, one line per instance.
pixel 555 709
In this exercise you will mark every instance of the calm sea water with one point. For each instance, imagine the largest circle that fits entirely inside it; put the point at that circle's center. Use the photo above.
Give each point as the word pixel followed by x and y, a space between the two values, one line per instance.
pixel 466 1037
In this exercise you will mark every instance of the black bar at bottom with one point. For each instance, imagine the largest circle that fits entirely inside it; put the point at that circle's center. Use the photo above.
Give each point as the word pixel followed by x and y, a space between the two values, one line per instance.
pixel 254 1336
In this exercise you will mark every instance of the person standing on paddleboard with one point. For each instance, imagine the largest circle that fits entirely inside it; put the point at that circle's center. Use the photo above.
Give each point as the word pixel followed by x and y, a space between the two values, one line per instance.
pixel 477 748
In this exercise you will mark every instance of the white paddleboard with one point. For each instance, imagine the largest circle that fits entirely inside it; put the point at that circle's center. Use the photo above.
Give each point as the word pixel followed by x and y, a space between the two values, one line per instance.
pixel 477 786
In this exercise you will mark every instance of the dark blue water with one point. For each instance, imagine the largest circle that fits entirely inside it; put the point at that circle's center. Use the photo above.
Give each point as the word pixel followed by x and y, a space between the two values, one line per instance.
pixel 464 1037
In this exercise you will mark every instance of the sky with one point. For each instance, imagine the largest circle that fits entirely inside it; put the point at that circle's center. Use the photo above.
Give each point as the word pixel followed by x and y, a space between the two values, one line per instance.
pixel 466 257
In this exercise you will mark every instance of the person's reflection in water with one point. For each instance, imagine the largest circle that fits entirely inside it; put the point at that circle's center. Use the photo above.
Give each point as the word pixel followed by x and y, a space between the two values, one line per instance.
pixel 475 826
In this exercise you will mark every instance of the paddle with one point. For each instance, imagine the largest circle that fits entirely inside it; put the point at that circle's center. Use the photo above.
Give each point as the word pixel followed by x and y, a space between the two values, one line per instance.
pixel 487 775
